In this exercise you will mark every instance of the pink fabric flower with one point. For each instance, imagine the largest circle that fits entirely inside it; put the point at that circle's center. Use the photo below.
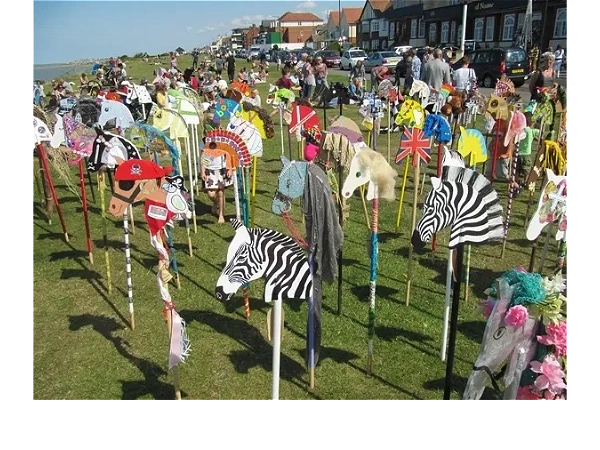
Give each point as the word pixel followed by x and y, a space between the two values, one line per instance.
pixel 550 375
pixel 556 336
pixel 487 306
pixel 525 393
pixel 516 316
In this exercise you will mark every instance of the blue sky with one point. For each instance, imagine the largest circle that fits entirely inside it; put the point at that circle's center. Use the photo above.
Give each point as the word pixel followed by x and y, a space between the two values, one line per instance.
pixel 65 31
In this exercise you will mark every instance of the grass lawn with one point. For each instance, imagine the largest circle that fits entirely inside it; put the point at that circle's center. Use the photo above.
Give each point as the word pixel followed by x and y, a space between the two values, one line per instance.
pixel 84 348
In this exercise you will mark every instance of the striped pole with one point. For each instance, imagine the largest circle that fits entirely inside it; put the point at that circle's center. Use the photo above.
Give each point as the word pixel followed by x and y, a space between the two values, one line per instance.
pixel 373 279
pixel 128 267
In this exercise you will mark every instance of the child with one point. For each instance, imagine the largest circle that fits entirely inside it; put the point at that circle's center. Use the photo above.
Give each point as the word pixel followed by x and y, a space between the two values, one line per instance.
pixel 525 161
pixel 217 171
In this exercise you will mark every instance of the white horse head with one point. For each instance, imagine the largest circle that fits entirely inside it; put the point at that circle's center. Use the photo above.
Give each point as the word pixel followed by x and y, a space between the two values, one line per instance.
pixel 369 166
pixel 59 137
pixel 248 132
pixel 552 207
pixel 41 132
pixel 421 89
pixel 111 109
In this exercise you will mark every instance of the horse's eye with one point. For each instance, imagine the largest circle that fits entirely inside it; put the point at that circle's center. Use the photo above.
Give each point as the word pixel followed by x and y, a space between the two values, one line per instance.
pixel 126 185
pixel 357 174
pixel 106 109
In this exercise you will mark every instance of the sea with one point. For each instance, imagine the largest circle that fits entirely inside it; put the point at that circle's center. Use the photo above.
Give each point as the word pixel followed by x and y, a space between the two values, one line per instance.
pixel 47 72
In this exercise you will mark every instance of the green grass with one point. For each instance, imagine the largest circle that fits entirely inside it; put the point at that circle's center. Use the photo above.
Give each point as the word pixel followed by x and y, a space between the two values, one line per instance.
pixel 84 348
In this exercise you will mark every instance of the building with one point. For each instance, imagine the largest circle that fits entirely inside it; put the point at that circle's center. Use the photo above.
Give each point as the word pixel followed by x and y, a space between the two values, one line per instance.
pixel 252 32
pixel 238 37
pixel 298 27
pixel 333 26
pixel 496 23
pixel 373 33
pixel 406 24
pixel 348 23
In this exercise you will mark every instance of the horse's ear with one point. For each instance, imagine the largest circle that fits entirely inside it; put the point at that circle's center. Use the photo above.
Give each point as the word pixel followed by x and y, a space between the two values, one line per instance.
pixel 119 160
pixel 436 183
pixel 284 161
pixel 241 231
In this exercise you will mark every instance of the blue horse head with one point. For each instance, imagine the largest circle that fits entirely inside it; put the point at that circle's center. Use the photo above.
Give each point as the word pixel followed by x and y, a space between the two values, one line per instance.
pixel 290 185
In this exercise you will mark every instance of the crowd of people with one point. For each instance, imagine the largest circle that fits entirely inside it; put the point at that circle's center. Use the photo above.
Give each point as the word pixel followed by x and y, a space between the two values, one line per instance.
pixel 308 78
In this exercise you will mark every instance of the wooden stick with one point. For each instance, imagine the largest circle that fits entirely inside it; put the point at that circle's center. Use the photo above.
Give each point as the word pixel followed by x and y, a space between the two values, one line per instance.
pixel 175 369
pixel 399 216
pixel 102 188
pixel 131 217
pixel 86 219
pixel 412 228
pixel 44 161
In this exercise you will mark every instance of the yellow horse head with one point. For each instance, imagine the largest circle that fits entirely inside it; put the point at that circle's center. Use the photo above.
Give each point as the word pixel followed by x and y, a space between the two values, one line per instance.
pixel 411 114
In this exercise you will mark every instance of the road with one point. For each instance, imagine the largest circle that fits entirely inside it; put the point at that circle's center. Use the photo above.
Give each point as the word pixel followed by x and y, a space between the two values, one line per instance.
pixel 523 90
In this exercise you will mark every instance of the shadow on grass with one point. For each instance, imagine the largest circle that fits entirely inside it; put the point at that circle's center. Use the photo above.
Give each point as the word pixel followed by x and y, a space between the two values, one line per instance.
pixel 381 292
pixel 257 352
pixel 472 330
pixel 344 357
pixel 458 387
pixel 131 390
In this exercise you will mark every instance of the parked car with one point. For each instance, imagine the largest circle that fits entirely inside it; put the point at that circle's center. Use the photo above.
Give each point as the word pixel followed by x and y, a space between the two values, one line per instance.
pixel 253 53
pixel 401 49
pixel 351 57
pixel 331 58
pixel 388 59
pixel 491 63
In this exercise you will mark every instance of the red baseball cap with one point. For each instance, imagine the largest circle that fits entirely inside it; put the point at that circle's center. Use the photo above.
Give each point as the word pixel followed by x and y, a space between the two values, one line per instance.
pixel 140 169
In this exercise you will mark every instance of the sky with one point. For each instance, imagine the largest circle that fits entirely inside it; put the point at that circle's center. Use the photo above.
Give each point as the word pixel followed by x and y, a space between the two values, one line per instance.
pixel 66 31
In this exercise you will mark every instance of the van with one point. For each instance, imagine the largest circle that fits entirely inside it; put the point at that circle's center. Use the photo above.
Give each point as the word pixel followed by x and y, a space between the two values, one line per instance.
pixel 253 53
pixel 491 63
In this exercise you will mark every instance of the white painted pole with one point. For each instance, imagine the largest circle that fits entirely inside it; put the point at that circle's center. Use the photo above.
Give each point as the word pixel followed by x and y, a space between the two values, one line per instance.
pixel 464 29
pixel 447 305
pixel 276 348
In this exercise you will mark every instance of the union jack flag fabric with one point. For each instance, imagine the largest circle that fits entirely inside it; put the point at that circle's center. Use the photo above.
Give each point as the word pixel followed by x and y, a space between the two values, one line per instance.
pixel 414 143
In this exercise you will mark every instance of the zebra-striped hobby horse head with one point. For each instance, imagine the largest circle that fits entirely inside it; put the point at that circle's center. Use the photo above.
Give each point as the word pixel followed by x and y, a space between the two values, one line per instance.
pixel 465 201
pixel 262 253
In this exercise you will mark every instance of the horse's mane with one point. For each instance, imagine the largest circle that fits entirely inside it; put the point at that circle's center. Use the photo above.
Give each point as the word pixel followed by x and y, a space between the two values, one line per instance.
pixel 264 116
pixel 382 174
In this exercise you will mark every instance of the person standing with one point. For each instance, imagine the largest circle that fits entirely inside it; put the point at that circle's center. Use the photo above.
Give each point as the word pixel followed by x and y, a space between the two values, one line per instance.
pixel 559 54
pixel 378 74
pixel 308 75
pixel 543 77
pixel 174 62
pixel 464 76
pixel 230 61
pixel 195 55
pixel 298 69
pixel 436 72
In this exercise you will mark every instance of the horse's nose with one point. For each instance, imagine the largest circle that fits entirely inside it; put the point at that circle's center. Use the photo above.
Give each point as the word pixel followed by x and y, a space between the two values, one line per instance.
pixel 220 294
pixel 416 241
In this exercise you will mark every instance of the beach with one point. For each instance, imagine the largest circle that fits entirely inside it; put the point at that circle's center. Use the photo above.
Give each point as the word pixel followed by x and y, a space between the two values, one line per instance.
pixel 47 72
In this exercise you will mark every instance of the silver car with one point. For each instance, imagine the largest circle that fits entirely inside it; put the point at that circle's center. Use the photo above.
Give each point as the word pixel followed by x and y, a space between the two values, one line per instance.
pixel 385 58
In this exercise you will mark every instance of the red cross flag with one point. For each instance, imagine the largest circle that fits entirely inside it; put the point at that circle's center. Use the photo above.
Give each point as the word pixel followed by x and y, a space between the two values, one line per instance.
pixel 414 143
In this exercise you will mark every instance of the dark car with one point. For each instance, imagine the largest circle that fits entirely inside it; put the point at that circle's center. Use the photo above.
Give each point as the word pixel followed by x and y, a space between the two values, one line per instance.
pixel 331 58
pixel 491 63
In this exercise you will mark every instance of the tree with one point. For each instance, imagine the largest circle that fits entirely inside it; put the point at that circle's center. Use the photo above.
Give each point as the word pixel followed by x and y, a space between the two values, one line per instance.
pixel 335 45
